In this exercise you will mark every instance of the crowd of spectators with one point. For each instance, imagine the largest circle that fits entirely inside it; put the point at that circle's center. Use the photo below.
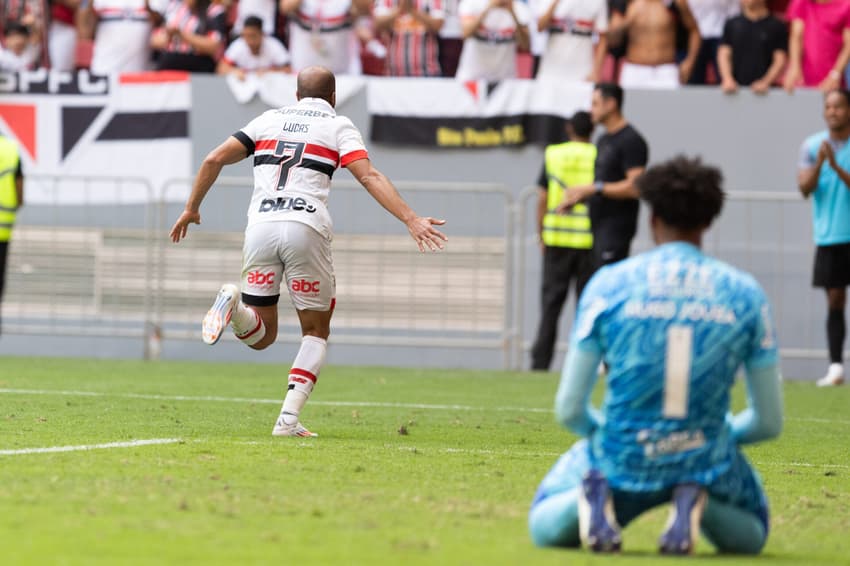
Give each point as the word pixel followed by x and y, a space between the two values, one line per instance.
pixel 641 43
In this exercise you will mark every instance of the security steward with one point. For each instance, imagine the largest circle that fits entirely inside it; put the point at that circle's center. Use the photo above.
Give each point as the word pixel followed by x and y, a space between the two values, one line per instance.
pixel 565 238
pixel 11 198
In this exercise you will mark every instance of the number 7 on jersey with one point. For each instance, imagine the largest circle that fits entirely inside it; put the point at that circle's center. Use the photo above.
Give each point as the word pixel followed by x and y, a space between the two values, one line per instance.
pixel 290 154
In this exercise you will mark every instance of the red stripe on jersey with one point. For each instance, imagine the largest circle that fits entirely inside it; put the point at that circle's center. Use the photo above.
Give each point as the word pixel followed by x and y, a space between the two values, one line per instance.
pixel 322 151
pixel 353 156
pixel 260 145
pixel 303 373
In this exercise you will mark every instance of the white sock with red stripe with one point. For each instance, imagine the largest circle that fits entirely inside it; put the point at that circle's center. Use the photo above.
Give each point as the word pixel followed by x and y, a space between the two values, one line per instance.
pixel 302 376
pixel 247 324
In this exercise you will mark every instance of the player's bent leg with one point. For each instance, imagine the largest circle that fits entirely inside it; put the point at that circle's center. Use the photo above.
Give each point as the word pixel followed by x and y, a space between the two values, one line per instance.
pixel 553 519
pixel 264 331
pixel 732 529
pixel 686 512
pixel 315 326
pixel 736 517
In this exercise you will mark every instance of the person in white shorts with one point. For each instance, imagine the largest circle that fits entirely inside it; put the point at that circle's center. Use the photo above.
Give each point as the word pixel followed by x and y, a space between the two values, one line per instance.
pixel 296 149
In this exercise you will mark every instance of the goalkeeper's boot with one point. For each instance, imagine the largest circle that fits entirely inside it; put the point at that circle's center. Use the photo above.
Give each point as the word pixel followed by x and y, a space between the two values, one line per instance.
pixel 687 506
pixel 598 526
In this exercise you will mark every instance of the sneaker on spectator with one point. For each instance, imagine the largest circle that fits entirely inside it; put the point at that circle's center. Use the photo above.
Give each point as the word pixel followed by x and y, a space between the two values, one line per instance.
pixel 834 376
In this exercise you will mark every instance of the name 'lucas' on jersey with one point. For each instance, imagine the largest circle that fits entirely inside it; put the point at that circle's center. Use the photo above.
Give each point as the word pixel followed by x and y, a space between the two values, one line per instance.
pixel 296 151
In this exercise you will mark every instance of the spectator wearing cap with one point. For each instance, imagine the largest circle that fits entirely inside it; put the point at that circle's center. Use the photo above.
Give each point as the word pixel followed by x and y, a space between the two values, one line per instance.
pixel 493 30
pixel 254 52
pixel 819 43
pixel 565 238
pixel 753 50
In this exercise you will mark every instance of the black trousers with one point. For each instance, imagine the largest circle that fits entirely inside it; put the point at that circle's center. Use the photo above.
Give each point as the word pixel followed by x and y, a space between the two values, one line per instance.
pixel 561 267
pixel 4 248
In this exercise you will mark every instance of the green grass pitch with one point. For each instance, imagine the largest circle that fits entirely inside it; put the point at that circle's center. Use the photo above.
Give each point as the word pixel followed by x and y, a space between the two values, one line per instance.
pixel 411 467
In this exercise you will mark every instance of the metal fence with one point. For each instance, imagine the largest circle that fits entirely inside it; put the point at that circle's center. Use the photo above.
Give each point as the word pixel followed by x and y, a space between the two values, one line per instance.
pixel 95 275
pixel 103 265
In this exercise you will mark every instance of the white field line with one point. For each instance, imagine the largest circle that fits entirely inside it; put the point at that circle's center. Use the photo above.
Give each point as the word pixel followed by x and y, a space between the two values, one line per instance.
pixel 268 401
pixel 376 404
pixel 127 444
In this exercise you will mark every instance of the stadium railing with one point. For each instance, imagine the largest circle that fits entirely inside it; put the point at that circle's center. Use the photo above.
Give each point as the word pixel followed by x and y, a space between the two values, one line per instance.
pixel 93 259
pixel 388 293
pixel 81 260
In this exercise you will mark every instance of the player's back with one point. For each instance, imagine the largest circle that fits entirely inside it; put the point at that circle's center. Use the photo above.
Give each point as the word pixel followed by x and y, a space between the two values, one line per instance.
pixel 675 325
pixel 296 151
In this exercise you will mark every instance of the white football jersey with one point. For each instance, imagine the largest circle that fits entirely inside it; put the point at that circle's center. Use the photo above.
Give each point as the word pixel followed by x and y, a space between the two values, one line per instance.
pixel 296 151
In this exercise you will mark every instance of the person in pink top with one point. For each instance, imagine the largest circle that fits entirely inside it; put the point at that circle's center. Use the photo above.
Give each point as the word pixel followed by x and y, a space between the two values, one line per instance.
pixel 819 44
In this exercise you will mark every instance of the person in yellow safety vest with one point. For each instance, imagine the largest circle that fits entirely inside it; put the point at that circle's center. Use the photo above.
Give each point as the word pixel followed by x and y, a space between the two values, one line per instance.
pixel 11 198
pixel 566 238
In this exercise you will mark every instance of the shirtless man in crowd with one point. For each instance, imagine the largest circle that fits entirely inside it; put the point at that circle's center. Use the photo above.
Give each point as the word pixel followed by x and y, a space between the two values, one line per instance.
pixel 650 26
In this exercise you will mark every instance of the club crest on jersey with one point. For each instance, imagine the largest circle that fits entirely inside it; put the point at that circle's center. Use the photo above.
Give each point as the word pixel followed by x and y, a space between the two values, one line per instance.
pixel 286 203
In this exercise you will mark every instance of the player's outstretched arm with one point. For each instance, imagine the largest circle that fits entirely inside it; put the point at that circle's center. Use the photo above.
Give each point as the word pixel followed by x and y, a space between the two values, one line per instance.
pixel 421 228
pixel 762 419
pixel 231 151
pixel 572 402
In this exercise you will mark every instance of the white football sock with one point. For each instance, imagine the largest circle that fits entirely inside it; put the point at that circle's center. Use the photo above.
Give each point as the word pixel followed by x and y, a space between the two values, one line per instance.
pixel 302 376
pixel 247 324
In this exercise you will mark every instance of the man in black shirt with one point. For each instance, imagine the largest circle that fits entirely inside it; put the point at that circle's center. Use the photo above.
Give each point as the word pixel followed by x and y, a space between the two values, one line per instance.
pixel 753 50
pixel 622 155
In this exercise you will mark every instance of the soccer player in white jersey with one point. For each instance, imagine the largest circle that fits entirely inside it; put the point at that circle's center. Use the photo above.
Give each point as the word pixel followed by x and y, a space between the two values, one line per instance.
pixel 674 325
pixel 296 150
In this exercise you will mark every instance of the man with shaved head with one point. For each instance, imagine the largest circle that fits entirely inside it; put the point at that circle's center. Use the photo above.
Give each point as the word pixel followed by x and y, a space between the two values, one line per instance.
pixel 296 151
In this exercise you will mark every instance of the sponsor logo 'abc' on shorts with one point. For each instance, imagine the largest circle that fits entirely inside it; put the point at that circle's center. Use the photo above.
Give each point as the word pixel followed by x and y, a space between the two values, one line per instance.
pixel 304 286
pixel 260 278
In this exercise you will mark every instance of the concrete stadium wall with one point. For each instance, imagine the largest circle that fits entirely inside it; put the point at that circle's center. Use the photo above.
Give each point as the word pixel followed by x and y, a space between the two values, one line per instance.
pixel 754 140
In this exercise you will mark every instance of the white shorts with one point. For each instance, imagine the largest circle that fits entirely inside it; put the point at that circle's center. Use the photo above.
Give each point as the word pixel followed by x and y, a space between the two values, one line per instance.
pixel 649 76
pixel 293 249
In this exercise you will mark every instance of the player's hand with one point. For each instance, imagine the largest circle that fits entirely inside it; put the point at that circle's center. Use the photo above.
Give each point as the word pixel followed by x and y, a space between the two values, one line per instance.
pixel 729 86
pixel 427 237
pixel 178 231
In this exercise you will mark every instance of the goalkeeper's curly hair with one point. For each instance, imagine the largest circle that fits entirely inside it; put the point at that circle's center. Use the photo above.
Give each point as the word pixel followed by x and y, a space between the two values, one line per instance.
pixel 683 192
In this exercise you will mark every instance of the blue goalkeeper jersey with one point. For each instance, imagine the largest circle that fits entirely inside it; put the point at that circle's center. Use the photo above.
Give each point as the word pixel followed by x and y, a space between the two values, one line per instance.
pixel 673 325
